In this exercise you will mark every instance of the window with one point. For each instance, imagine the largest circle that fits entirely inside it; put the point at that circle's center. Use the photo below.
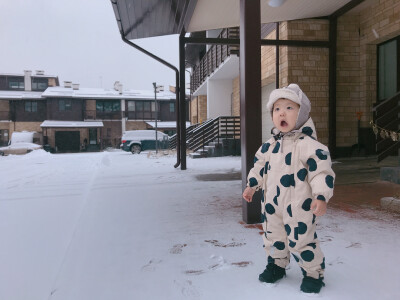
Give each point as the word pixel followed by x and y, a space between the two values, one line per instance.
pixel 131 105
pixel 16 83
pixel 31 106
pixel 92 136
pixel 39 84
pixel 108 106
pixel 64 105
pixel 153 106
pixel 388 68
pixel 139 106
pixel 146 106
pixel 172 107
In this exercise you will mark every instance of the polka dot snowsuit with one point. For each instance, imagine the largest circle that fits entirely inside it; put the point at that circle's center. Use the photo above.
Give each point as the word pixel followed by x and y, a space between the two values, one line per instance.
pixel 292 171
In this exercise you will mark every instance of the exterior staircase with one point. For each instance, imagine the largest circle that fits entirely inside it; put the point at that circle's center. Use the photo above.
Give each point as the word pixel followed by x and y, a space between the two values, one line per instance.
pixel 214 137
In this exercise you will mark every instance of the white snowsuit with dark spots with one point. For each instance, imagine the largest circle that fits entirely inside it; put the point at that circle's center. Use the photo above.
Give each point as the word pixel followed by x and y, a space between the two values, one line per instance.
pixel 292 171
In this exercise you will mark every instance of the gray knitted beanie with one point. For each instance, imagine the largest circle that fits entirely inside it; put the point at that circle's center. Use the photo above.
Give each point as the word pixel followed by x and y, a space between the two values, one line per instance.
pixel 294 93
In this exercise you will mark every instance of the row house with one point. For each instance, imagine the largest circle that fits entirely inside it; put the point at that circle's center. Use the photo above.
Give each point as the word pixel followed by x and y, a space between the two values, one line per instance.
pixel 21 104
pixel 71 118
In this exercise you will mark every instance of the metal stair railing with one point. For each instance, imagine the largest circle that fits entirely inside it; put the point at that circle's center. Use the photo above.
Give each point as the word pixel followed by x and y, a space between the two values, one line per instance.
pixel 189 130
pixel 224 127
pixel 387 116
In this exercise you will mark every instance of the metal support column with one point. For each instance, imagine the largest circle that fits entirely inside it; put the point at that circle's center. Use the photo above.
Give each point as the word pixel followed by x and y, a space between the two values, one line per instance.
pixel 250 97
pixel 277 57
pixel 332 86
pixel 182 99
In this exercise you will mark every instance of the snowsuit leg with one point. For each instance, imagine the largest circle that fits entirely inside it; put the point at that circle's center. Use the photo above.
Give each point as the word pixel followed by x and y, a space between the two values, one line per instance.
pixel 303 242
pixel 275 239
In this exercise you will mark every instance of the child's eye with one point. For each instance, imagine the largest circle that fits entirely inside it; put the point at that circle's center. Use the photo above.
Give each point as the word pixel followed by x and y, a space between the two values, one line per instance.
pixel 289 107
pixel 276 109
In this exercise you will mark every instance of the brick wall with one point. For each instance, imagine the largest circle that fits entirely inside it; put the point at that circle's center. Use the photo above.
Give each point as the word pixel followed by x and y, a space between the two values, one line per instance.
pixel 193 110
pixel 309 68
pixel 4 105
pixel 111 133
pixel 136 125
pixel 236 97
pixel 348 85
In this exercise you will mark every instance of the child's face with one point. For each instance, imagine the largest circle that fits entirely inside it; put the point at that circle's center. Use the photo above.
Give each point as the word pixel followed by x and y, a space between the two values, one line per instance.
pixel 284 114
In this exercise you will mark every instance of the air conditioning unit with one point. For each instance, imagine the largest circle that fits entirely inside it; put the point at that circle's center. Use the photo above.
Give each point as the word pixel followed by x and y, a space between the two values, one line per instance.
pixel 75 86
pixel 39 72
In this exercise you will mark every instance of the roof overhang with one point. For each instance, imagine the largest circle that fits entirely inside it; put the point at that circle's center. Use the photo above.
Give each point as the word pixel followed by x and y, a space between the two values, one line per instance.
pixel 71 124
pixel 148 18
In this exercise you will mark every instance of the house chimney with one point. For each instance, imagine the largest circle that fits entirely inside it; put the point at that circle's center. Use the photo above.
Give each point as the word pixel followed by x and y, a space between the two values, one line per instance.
pixel 75 86
pixel 28 80
pixel 39 72
pixel 67 84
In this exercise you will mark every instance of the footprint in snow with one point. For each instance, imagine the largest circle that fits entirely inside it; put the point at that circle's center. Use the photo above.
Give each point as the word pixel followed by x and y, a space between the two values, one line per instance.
pixel 151 265
pixel 177 249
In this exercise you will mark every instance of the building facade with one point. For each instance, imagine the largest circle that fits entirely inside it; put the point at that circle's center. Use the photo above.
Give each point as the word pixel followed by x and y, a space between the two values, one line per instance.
pixel 71 118
pixel 367 73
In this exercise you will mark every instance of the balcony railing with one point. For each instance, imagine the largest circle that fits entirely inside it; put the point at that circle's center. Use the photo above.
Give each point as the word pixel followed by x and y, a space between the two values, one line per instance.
pixel 214 57
pixel 103 115
pixel 5 115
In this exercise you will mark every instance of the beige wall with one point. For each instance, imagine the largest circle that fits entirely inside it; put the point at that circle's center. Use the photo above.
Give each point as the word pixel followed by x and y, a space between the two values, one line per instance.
pixel 236 97
pixel 198 105
pixel 136 125
pixel 4 105
pixel 111 133
pixel 309 68
pixel 52 82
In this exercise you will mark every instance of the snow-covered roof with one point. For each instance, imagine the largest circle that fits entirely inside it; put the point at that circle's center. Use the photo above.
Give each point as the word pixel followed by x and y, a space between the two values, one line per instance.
pixel 165 124
pixel 32 75
pixel 97 93
pixel 20 95
pixel 71 124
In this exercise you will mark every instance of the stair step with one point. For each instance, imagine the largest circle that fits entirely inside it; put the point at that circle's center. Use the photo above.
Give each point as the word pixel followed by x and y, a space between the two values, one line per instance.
pixel 197 155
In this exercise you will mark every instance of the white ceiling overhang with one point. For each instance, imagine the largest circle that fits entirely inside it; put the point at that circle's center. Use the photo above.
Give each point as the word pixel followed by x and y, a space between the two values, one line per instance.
pixel 212 14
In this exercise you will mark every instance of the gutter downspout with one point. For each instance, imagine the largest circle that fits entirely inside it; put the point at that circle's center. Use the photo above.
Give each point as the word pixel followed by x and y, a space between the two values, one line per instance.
pixel 178 127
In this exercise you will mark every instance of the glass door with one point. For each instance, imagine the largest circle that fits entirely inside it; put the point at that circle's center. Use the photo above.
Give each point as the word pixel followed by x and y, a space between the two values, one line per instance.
pixel 388 68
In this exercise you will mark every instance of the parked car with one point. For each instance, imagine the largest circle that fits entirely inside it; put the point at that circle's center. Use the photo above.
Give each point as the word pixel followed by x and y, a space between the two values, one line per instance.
pixel 136 141
pixel 20 143
pixel 19 148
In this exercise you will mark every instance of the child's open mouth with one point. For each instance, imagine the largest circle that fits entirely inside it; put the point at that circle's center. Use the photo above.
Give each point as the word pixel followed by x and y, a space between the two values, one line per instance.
pixel 283 124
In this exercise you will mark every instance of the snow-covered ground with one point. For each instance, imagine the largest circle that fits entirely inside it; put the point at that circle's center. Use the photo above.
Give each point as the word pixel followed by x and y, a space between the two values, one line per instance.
pixel 114 225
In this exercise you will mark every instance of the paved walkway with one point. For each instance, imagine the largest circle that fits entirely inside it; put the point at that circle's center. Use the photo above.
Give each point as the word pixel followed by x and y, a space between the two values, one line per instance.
pixel 358 183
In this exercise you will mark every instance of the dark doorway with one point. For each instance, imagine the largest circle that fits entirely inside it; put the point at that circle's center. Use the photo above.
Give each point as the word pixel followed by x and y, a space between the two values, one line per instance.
pixel 67 141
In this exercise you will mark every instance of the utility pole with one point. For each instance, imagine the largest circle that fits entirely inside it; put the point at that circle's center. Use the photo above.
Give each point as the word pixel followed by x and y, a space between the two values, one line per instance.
pixel 157 88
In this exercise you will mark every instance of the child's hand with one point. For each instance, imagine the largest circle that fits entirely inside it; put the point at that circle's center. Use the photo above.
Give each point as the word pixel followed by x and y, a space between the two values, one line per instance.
pixel 318 207
pixel 248 194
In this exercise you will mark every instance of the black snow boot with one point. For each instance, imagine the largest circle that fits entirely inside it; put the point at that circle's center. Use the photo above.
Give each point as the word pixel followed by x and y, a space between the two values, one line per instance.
pixel 311 285
pixel 272 273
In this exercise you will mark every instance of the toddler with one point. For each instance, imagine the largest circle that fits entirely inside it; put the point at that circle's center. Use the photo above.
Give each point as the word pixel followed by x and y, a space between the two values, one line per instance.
pixel 294 172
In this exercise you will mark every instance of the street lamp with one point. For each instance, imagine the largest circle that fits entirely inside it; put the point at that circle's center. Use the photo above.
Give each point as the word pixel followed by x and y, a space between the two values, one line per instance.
pixel 157 88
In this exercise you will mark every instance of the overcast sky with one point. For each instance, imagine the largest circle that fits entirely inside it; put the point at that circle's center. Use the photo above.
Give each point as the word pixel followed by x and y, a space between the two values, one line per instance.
pixel 79 41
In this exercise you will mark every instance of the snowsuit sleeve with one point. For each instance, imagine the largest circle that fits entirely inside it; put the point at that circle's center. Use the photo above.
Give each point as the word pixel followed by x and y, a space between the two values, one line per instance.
pixel 256 174
pixel 320 174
